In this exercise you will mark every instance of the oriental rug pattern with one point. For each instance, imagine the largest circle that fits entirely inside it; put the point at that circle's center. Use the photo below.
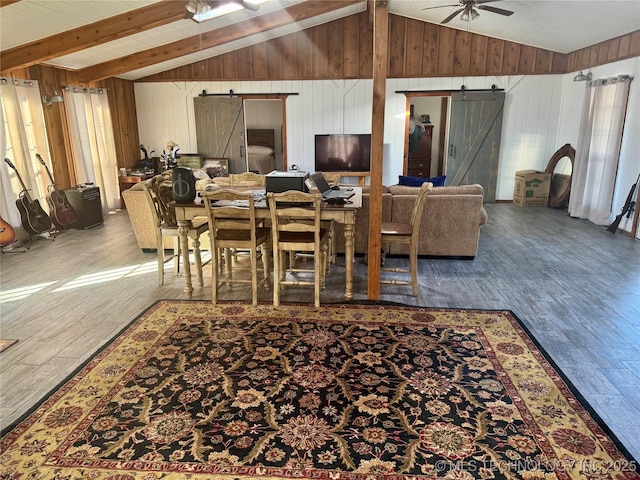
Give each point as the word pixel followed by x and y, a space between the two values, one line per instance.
pixel 193 390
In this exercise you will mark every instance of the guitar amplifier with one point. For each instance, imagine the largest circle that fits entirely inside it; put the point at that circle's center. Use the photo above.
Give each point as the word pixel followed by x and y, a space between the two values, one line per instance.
pixel 86 202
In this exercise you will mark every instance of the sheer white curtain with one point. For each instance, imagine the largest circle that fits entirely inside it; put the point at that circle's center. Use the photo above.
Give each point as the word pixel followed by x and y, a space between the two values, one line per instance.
pixel 92 141
pixel 598 149
pixel 22 135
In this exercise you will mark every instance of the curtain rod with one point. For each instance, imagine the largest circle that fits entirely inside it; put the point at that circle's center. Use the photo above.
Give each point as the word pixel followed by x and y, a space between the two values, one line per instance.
pixel 234 94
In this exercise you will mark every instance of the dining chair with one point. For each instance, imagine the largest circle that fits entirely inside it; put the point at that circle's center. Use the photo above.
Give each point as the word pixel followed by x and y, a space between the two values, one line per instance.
pixel 296 226
pixel 166 227
pixel 407 233
pixel 244 180
pixel 233 224
pixel 332 178
pixel 247 179
pixel 222 182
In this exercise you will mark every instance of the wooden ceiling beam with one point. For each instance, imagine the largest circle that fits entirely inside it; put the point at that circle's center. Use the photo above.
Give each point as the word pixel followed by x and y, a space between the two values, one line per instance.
pixel 97 33
pixel 213 38
pixel 4 3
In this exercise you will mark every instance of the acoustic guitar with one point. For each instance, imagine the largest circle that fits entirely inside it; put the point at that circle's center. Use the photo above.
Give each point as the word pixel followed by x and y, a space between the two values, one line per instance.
pixel 34 219
pixel 60 209
pixel 7 233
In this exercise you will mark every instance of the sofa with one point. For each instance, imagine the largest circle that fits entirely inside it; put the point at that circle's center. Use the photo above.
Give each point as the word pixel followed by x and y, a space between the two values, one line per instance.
pixel 450 224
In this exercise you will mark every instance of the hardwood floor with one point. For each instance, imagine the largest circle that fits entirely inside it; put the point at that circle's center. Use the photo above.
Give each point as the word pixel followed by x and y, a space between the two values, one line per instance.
pixel 574 285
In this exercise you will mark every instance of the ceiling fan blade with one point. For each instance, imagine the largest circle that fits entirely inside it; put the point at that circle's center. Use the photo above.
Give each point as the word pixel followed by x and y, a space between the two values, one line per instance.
pixel 442 6
pixel 478 2
pixel 451 17
pixel 500 11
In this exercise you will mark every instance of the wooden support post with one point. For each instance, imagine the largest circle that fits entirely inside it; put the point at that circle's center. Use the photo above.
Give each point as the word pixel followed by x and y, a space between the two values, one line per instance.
pixel 380 67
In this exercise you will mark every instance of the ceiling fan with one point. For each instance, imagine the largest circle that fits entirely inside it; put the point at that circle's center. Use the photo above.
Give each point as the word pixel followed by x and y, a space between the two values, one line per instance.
pixel 469 11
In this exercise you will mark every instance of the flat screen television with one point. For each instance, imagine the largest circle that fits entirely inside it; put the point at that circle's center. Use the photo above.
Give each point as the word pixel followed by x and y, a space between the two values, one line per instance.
pixel 343 153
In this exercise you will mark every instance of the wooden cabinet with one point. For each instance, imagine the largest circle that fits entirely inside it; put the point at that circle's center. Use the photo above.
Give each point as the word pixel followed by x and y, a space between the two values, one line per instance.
pixel 419 158
pixel 128 181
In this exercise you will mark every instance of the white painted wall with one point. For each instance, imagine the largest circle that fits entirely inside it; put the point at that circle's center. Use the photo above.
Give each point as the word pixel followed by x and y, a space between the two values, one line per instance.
pixel 542 113
pixel 629 165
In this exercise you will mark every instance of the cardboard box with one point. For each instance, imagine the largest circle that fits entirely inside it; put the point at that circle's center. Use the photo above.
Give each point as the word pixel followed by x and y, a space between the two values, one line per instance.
pixel 531 188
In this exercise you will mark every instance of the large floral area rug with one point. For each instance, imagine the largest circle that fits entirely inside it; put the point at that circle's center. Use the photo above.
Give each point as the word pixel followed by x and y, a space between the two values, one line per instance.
pixel 193 390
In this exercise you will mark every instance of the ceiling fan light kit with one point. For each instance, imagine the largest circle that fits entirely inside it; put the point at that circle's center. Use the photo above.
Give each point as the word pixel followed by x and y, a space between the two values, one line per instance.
pixel 469 10
pixel 469 14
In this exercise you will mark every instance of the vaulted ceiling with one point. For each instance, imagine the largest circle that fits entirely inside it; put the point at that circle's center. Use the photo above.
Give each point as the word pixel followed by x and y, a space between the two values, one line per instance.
pixel 132 39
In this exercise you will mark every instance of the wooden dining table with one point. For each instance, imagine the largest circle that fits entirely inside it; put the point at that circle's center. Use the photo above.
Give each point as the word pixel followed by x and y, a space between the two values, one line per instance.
pixel 344 214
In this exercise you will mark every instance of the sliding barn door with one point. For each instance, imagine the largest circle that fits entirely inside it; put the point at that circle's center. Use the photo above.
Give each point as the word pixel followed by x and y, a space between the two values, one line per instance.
pixel 474 140
pixel 220 130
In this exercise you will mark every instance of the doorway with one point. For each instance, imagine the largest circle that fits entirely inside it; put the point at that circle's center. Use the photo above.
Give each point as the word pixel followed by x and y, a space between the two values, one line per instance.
pixel 266 114
pixel 222 122
pixel 470 125
pixel 425 150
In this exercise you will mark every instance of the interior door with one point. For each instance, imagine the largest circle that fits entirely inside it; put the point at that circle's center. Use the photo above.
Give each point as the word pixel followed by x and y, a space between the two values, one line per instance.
pixel 474 140
pixel 220 130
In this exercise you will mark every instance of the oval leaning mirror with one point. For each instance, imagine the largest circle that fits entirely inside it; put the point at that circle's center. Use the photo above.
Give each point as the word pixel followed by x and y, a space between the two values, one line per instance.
pixel 560 167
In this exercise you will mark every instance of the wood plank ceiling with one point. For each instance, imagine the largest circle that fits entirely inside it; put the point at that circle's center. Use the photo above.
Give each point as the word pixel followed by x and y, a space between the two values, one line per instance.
pixel 132 39
pixel 170 14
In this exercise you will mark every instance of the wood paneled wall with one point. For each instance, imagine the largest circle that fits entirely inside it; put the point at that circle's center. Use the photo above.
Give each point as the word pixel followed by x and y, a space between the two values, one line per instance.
pixel 420 49
pixel 342 49
pixel 122 104
pixel 619 48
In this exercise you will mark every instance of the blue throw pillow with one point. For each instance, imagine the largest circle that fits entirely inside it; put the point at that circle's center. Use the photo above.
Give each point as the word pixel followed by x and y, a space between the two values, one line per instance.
pixel 417 181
